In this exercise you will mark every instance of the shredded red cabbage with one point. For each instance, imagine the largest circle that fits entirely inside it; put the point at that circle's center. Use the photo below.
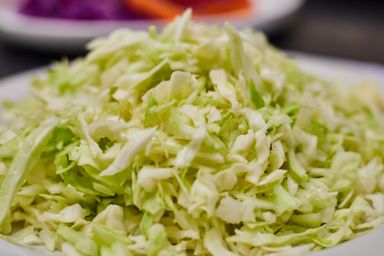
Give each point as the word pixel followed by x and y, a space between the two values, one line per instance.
pixel 79 9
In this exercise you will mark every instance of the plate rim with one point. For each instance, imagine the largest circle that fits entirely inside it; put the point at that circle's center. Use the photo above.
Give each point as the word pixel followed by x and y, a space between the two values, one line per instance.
pixel 45 31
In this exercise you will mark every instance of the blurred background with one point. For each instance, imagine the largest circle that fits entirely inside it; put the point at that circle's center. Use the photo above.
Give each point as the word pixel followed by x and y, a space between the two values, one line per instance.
pixel 351 29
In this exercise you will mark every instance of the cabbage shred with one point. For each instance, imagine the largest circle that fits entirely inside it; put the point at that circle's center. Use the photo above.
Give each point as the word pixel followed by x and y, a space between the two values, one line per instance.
pixel 200 140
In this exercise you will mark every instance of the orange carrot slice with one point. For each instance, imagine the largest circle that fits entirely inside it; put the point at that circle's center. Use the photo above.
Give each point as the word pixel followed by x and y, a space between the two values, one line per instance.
pixel 162 9
pixel 167 9
pixel 222 6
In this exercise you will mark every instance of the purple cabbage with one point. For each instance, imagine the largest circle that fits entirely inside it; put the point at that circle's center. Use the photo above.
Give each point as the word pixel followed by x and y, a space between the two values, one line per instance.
pixel 78 9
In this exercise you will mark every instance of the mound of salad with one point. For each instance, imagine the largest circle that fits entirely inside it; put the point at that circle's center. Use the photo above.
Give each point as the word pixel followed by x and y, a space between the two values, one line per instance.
pixel 199 140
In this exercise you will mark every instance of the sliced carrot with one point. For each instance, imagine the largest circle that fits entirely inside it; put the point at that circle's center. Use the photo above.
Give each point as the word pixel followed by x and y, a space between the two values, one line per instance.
pixel 162 9
pixel 222 6
pixel 190 3
pixel 168 9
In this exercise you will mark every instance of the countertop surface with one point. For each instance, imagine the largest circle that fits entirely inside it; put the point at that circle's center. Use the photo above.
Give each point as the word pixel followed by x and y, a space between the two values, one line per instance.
pixel 346 29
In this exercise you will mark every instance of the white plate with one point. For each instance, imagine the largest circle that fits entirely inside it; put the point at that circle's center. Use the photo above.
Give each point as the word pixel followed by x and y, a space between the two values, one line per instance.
pixel 67 35
pixel 350 71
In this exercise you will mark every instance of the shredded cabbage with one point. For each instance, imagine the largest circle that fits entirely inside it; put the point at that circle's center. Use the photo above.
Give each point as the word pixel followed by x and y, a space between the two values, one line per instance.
pixel 199 140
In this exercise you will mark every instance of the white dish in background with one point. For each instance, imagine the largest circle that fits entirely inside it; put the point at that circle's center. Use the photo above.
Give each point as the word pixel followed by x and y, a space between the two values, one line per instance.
pixel 15 87
pixel 71 35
